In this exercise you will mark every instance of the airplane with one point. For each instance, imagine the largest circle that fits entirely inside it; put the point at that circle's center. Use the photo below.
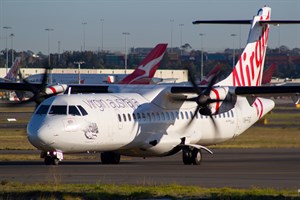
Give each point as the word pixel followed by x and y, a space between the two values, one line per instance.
pixel 143 74
pixel 12 74
pixel 159 120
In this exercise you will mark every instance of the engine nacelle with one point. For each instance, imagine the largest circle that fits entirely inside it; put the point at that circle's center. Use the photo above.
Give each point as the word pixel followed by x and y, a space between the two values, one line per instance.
pixel 56 89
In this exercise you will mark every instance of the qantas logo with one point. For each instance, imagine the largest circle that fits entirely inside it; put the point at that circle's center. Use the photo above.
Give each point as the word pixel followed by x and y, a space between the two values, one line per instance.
pixel 147 70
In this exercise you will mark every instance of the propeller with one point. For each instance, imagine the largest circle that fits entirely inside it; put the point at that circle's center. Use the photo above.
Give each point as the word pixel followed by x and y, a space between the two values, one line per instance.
pixel 203 99
pixel 38 90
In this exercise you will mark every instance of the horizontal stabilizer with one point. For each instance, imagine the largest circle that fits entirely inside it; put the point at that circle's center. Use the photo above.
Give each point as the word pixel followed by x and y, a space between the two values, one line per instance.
pixel 273 22
pixel 222 22
pixel 277 22
pixel 296 98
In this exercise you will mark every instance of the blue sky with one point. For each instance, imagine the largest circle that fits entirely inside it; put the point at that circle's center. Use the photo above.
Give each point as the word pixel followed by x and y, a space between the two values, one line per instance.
pixel 147 21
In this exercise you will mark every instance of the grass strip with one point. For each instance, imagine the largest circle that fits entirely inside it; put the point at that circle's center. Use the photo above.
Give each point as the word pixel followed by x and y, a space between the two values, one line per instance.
pixel 265 137
pixel 10 190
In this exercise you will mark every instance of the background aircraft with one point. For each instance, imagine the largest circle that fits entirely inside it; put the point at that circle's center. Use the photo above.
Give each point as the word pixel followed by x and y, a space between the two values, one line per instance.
pixel 159 120
pixel 13 72
pixel 143 74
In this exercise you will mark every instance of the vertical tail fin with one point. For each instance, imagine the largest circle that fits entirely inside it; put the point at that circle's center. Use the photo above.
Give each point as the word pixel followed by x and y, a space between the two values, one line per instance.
pixel 146 70
pixel 13 71
pixel 210 75
pixel 249 68
pixel 268 74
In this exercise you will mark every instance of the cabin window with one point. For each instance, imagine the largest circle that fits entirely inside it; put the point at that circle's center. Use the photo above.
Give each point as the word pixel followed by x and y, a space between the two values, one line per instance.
pixel 158 116
pixel 58 110
pixel 138 116
pixel 177 115
pixel 163 116
pixel 134 117
pixel 224 116
pixel 129 117
pixel 191 114
pixel 119 117
pixel 181 114
pixel 172 116
pixel 167 116
pixel 143 116
pixel 232 113
pixel 153 116
pixel 74 111
pixel 82 110
pixel 43 109
pixel 186 115
pixel 124 117
pixel 149 116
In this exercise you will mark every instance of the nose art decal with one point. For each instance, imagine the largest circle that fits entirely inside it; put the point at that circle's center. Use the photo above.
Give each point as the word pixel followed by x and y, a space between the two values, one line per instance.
pixel 91 131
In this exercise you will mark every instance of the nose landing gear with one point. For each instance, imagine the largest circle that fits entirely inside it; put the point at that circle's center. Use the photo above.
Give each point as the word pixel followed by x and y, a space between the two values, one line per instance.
pixel 52 158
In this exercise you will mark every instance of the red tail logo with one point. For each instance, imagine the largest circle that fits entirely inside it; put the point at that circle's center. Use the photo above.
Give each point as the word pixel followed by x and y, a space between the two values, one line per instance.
pixel 145 72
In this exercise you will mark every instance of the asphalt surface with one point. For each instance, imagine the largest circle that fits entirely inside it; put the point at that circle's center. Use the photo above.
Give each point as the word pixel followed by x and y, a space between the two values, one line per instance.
pixel 238 168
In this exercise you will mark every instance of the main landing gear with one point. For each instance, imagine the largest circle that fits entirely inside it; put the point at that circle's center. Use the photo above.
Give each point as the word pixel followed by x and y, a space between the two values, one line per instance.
pixel 110 157
pixel 52 158
pixel 191 155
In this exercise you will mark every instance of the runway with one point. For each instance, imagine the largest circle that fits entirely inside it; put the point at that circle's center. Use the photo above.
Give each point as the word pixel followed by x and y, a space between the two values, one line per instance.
pixel 238 168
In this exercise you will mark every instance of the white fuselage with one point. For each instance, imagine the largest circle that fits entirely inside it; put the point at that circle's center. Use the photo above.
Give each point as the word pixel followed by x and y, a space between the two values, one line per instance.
pixel 145 123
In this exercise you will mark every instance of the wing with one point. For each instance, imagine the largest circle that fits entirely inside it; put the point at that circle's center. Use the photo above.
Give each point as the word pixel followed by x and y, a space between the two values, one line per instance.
pixel 250 91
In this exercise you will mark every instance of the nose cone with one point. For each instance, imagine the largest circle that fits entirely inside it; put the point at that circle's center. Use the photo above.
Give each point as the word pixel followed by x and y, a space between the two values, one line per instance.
pixel 40 134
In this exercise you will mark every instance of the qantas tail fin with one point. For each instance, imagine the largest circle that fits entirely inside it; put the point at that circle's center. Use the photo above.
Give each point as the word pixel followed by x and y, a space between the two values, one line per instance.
pixel 207 79
pixel 268 74
pixel 144 73
pixel 13 71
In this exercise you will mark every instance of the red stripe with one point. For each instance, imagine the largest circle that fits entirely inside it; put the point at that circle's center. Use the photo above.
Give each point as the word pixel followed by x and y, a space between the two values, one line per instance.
pixel 242 72
pixel 52 89
pixel 261 106
pixel 248 75
pixel 218 98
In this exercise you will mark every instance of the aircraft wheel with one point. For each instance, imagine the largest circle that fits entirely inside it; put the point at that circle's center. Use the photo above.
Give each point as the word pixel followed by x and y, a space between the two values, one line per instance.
pixel 115 158
pixel 55 161
pixel 51 160
pixel 187 156
pixel 196 156
pixel 110 158
pixel 48 160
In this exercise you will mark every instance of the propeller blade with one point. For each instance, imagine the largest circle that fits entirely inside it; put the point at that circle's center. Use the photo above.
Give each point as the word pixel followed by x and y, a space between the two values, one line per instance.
pixel 210 85
pixel 194 115
pixel 38 90
pixel 194 84
pixel 214 124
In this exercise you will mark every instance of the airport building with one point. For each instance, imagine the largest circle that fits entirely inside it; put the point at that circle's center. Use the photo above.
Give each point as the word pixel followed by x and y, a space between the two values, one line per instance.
pixel 172 75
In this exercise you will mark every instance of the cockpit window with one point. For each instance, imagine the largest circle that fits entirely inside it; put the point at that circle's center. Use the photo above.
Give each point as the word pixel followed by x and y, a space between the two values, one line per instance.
pixel 82 110
pixel 73 111
pixel 58 110
pixel 43 109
